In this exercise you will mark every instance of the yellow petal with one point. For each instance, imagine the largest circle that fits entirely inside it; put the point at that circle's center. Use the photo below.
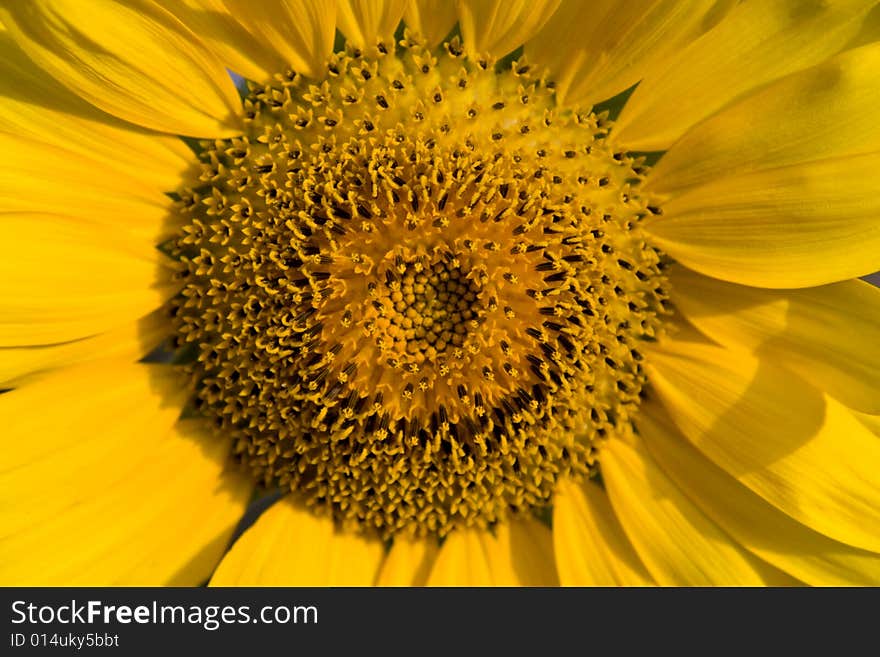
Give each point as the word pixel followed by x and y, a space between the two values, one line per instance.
pixel 408 563
pixel 36 106
pixel 80 408
pixel 795 226
pixel 63 279
pixel 227 38
pixel 40 177
pixel 800 450
pixel 464 560
pixel 498 27
pixel 870 421
pixel 519 554
pixel 757 526
pixel 202 503
pixel 432 19
pixel 591 548
pixel 870 31
pixel 828 335
pixel 823 112
pixel 528 559
pixel 295 34
pixel 364 22
pixel 261 38
pixel 291 546
pixel 756 43
pixel 133 60
pixel 133 341
pixel 111 492
pixel 595 50
pixel 774 576
pixel 678 544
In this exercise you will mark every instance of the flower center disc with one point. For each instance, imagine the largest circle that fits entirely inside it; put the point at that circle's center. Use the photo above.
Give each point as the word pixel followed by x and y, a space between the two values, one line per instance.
pixel 415 290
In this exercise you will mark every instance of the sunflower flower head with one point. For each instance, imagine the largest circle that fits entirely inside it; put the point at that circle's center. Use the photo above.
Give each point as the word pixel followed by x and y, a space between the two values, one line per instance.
pixel 418 289
pixel 484 292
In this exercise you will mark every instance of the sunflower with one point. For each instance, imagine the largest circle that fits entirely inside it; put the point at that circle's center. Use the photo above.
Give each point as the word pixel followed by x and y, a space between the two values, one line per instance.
pixel 490 292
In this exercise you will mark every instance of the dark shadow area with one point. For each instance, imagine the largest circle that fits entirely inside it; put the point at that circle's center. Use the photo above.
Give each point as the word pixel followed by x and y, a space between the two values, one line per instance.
pixel 873 279
pixel 260 503
pixel 615 104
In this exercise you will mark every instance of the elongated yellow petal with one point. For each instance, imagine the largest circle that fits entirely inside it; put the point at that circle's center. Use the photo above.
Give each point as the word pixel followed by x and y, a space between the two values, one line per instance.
pixel 63 279
pixel 870 421
pixel 133 60
pixel 678 544
pixel 756 43
pixel 133 340
pixel 294 34
pixel 364 22
pixel 97 485
pixel 756 525
pixel 290 546
pixel 408 563
pixel 433 19
pixel 202 501
pixel 528 559
pixel 591 548
pixel 237 48
pixel 828 335
pixel 795 226
pixel 498 27
pixel 800 450
pixel 829 110
pixel 40 177
pixel 870 30
pixel 73 409
pixel 595 50
pixel 261 38
pixel 36 106
pixel 464 560
pixel 519 554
